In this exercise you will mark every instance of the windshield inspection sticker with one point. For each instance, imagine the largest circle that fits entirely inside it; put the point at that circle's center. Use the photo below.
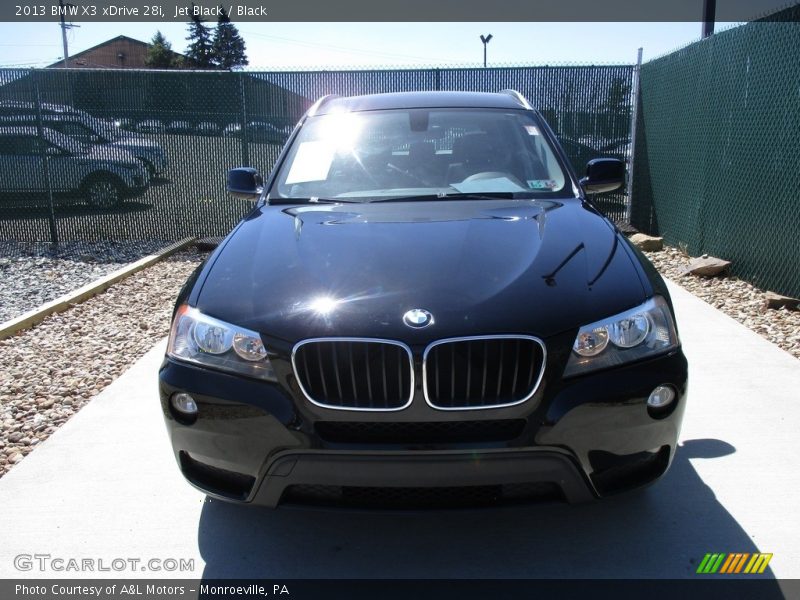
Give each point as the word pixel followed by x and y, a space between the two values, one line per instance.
pixel 542 184
pixel 532 129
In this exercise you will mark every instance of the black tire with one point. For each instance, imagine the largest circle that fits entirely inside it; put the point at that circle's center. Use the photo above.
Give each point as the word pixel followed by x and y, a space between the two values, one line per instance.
pixel 102 192
pixel 149 166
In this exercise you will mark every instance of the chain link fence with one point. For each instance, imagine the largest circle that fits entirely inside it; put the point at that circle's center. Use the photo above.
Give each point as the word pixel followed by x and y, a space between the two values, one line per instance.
pixel 144 154
pixel 717 167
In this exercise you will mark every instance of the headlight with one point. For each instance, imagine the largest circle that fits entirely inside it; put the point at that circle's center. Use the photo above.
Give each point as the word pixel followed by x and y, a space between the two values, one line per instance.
pixel 640 332
pixel 203 340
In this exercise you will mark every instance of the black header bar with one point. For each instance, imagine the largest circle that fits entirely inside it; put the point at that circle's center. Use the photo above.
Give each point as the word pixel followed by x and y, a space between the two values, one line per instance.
pixel 380 11
pixel 731 588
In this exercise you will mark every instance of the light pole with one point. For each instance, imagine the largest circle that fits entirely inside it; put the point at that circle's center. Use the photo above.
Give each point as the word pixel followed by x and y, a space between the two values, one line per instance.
pixel 485 39
pixel 709 16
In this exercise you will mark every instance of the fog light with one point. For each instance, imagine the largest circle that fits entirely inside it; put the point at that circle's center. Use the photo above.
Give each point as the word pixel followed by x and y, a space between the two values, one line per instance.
pixel 184 404
pixel 661 397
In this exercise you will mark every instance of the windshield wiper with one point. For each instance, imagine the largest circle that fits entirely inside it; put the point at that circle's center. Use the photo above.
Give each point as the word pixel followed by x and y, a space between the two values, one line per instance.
pixel 452 196
pixel 310 200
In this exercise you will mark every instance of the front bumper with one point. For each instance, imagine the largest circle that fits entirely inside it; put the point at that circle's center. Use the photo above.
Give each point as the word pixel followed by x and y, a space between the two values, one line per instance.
pixel 576 439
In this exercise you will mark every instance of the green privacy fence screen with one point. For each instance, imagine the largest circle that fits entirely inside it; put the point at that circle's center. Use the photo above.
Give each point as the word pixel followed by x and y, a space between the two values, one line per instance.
pixel 717 166
pixel 204 123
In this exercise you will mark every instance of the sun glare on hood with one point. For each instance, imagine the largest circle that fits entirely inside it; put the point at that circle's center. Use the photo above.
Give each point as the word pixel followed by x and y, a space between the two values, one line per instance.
pixel 323 306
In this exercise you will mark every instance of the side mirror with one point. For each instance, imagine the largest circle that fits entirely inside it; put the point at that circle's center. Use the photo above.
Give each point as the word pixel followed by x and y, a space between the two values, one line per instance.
pixel 603 175
pixel 245 183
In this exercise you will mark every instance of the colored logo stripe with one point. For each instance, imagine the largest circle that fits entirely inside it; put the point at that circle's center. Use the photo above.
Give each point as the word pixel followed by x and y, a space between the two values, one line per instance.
pixel 734 563
pixel 710 563
pixel 758 564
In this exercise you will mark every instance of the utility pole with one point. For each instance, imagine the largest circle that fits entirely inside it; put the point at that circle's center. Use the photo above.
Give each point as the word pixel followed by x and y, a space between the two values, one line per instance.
pixel 64 28
pixel 709 16
pixel 485 39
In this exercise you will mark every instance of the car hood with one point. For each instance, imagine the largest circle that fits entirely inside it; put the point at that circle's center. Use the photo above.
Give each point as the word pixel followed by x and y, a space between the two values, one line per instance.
pixel 137 144
pixel 108 152
pixel 479 267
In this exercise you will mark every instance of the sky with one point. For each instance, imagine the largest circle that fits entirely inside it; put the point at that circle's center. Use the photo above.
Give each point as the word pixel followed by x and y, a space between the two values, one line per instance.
pixel 321 45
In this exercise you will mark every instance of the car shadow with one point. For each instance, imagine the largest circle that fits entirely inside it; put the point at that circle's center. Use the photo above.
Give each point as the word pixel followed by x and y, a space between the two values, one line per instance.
pixel 662 531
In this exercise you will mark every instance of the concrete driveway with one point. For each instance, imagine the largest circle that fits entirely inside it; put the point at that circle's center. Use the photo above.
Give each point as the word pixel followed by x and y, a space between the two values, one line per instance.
pixel 105 487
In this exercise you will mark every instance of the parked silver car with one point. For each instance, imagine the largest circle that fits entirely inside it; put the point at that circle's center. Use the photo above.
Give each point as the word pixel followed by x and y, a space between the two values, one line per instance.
pixel 207 128
pixel 102 175
pixel 233 130
pixel 124 123
pixel 14 108
pixel 150 126
pixel 90 130
pixel 262 131
pixel 180 126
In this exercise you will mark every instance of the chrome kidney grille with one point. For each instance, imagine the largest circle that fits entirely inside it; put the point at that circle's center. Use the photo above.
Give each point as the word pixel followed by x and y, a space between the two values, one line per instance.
pixel 482 372
pixel 355 373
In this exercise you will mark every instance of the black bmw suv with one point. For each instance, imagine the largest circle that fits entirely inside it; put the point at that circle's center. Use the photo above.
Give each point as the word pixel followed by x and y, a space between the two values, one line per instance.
pixel 423 300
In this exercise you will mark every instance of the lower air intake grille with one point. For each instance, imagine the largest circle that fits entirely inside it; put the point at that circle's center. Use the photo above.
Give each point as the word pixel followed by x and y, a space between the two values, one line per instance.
pixel 422 497
pixel 432 432
pixel 355 374
pixel 482 372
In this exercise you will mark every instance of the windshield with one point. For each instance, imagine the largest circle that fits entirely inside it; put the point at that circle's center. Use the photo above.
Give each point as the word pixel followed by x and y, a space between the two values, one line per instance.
pixel 420 153
pixel 103 128
pixel 65 142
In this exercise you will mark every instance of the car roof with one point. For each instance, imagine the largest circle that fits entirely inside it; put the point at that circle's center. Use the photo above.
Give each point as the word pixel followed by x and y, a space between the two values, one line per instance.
pixel 47 107
pixel 405 100
pixel 18 131
pixel 47 133
pixel 61 117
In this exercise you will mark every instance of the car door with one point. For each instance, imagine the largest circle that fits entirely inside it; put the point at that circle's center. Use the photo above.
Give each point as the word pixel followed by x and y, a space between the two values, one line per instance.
pixel 21 166
pixel 67 170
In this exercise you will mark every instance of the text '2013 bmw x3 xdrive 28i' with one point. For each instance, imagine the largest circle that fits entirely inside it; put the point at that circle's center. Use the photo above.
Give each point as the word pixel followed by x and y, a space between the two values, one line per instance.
pixel 423 300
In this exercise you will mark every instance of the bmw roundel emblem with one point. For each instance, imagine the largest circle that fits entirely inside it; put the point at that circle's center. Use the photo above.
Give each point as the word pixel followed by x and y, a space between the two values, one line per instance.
pixel 418 317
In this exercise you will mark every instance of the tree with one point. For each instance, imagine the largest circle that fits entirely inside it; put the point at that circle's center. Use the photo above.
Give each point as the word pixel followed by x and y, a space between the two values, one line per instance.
pixel 618 96
pixel 228 44
pixel 200 53
pixel 617 107
pixel 160 54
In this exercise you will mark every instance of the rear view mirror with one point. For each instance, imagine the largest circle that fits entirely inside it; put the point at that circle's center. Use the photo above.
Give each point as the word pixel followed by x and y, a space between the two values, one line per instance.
pixel 603 175
pixel 245 183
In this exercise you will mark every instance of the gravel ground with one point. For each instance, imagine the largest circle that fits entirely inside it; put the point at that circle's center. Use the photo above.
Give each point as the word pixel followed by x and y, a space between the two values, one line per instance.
pixel 48 373
pixel 736 298
pixel 32 274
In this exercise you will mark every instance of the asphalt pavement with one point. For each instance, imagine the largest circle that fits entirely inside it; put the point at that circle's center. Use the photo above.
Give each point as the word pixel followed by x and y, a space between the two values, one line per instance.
pixel 105 487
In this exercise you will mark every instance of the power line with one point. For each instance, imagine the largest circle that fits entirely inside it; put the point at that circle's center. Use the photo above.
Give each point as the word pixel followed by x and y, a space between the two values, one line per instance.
pixel 28 64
